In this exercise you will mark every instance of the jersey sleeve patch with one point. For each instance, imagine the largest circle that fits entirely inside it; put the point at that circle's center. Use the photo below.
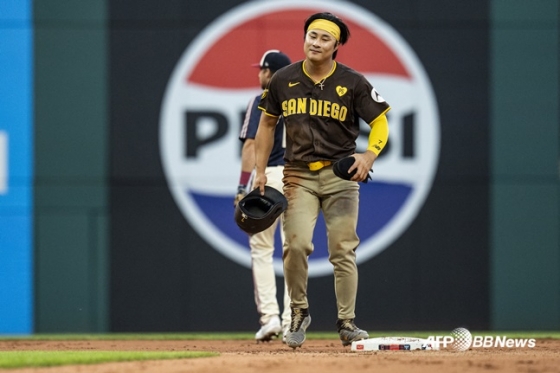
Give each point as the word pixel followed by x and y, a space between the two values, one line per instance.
pixel 376 96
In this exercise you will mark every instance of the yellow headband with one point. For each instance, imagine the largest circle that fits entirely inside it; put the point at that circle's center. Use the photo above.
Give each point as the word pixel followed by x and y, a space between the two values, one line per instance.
pixel 326 25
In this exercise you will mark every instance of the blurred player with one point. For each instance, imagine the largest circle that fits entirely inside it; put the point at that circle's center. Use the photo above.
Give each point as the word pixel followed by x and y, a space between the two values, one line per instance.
pixel 262 244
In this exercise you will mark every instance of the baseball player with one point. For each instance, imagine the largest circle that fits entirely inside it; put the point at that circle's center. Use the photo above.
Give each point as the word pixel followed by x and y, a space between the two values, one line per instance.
pixel 262 244
pixel 321 101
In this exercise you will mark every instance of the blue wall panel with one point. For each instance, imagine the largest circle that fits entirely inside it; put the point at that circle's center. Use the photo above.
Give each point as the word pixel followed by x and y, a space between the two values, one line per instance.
pixel 16 171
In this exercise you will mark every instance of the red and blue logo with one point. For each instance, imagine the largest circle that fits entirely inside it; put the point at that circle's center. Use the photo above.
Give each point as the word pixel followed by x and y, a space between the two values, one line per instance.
pixel 214 80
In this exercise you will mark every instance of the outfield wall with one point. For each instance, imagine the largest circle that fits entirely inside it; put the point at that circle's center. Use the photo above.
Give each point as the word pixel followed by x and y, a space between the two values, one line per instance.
pixel 16 168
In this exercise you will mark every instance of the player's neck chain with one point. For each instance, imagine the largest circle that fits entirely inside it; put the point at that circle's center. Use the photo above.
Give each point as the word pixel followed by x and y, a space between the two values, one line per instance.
pixel 322 84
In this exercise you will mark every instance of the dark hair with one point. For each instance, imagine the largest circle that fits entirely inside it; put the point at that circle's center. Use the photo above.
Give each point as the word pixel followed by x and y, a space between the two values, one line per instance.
pixel 344 30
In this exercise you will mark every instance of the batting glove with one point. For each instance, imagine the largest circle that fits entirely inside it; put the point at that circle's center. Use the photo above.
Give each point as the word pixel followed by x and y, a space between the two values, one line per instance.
pixel 241 192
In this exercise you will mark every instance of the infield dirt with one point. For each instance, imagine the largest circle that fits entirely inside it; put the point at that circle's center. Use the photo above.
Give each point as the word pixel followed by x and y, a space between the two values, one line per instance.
pixel 315 356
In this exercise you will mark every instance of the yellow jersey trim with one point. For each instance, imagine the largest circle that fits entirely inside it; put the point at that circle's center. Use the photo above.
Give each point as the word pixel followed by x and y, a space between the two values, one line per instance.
pixel 320 80
pixel 264 111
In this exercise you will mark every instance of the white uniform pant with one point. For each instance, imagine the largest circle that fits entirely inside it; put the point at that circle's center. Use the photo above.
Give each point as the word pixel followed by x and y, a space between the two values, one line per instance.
pixel 262 249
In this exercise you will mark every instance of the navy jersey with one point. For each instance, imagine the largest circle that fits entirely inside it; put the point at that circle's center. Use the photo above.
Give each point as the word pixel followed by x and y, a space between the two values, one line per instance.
pixel 321 118
pixel 249 131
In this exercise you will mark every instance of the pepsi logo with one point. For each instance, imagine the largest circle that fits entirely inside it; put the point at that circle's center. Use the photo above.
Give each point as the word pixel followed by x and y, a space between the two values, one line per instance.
pixel 208 93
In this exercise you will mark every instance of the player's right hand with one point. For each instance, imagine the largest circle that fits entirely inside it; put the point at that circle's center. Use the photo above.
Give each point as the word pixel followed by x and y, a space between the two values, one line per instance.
pixel 260 182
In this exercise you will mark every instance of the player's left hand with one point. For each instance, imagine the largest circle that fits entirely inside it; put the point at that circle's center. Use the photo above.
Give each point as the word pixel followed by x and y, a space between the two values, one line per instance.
pixel 363 164
pixel 241 192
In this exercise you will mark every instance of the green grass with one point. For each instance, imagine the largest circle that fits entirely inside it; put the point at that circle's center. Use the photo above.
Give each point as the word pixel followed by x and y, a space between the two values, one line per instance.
pixel 21 359
pixel 217 336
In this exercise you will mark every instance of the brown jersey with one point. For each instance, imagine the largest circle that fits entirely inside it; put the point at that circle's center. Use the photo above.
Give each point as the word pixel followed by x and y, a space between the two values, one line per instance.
pixel 321 119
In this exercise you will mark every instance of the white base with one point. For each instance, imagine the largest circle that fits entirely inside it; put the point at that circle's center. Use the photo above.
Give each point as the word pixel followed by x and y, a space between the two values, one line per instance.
pixel 394 343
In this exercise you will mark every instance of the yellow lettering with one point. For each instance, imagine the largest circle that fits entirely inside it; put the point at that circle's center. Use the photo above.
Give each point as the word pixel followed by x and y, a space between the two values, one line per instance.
pixel 312 107
pixel 302 106
pixel 292 106
pixel 326 108
pixel 343 112
pixel 334 110
pixel 316 107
